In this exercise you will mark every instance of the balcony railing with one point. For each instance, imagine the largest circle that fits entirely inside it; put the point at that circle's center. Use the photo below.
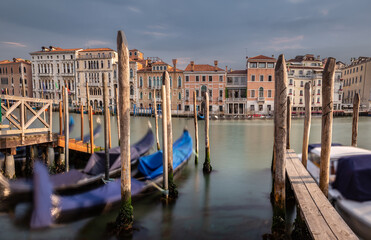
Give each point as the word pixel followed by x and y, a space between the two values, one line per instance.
pixel 94 56
pixel 261 99
pixel 45 74
pixel 67 74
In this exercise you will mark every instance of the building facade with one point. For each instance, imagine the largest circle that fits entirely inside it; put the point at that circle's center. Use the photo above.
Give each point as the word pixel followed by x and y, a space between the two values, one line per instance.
pixel 91 65
pixel 236 92
pixel 13 74
pixel 52 69
pixel 202 78
pixel 260 85
pixel 357 79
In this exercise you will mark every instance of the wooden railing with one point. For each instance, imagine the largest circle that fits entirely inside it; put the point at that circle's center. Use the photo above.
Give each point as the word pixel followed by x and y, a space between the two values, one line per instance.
pixel 20 123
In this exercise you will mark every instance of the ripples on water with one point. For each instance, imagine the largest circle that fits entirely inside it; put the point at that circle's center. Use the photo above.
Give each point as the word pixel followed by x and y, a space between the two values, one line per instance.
pixel 231 203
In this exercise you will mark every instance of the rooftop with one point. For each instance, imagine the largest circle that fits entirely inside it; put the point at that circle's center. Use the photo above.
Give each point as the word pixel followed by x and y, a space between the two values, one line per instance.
pixel 202 68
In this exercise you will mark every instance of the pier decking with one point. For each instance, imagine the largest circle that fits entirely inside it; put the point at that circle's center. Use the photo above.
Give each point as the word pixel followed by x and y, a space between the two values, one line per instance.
pixel 79 146
pixel 320 216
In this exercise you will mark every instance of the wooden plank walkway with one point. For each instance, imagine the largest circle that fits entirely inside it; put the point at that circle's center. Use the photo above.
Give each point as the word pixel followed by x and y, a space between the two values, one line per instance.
pixel 321 218
pixel 74 145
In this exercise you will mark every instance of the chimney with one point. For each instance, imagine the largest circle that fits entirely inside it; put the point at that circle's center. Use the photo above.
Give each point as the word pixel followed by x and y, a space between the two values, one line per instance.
pixel 318 57
pixel 272 56
pixel 174 64
pixel 226 68
pixel 216 65
pixel 43 48
pixel 192 66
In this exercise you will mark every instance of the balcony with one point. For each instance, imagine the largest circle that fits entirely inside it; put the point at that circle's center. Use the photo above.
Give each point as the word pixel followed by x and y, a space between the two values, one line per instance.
pixel 45 74
pixel 187 99
pixel 220 99
pixel 94 56
pixel 67 74
pixel 261 99
pixel 235 100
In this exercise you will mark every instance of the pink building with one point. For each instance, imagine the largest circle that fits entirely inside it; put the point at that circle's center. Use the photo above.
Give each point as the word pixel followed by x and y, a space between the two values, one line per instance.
pixel 13 74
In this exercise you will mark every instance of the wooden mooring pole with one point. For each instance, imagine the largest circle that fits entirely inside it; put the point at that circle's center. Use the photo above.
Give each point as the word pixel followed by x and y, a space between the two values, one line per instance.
pixel 327 115
pixel 280 143
pixel 289 105
pixel 91 129
pixel 156 120
pixel 173 192
pixel 118 114
pixel 356 104
pixel 164 143
pixel 124 220
pixel 82 121
pixel 307 121
pixel 66 130
pixel 196 125
pixel 60 119
pixel 106 127
pixel 207 165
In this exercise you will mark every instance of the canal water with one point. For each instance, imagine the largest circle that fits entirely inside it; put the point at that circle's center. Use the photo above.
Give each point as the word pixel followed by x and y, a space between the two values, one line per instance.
pixel 230 203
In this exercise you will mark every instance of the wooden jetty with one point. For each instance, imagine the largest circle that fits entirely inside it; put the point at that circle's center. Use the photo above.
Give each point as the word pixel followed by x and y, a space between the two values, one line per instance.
pixel 321 218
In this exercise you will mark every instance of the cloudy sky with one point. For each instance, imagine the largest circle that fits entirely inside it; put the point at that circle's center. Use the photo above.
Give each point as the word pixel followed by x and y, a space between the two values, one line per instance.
pixel 199 30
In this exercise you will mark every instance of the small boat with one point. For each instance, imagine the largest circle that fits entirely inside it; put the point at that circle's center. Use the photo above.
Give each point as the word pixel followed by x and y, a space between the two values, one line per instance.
pixel 73 180
pixel 349 188
pixel 200 116
pixel 49 208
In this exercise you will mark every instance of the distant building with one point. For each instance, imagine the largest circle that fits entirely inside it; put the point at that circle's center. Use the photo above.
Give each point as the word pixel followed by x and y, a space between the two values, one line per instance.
pixel 91 65
pixel 236 92
pixel 260 84
pixel 13 74
pixel 149 83
pixel 303 69
pixel 202 78
pixel 52 69
pixel 357 79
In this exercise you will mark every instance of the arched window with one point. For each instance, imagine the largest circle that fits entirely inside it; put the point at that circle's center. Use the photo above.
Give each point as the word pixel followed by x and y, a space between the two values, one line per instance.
pixel 158 81
pixel 141 82
pixel 179 96
pixel 150 95
pixel 261 92
pixel 179 82
pixel 141 95
pixel 131 90
pixel 149 82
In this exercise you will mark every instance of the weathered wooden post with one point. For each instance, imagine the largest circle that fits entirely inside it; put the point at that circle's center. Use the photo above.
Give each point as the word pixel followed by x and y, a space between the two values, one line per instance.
pixel 109 128
pixel 173 192
pixel 355 119
pixel 307 120
pixel 280 142
pixel 207 166
pixel 196 125
pixel 118 114
pixel 106 127
pixel 156 120
pixel 60 119
pixel 288 122
pixel 125 217
pixel 82 121
pixel 66 129
pixel 91 129
pixel 165 143
pixel 7 101
pixel 326 131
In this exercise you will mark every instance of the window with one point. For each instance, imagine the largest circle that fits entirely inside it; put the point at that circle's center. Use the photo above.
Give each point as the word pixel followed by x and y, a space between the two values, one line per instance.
pixel 290 82
pixel 317 100
pixel 140 82
pixel 187 78
pixel 261 78
pixel 361 68
pixel 290 91
pixel 179 82
pixel 269 78
pixel 319 92
pixel 179 96
pixel 210 93
pixel 301 72
pixel 269 93
pixel 101 64
pixel 204 78
pixel 301 84
pixel 262 65
pixel 150 95
pixel 197 78
pixel 197 92
pixel 261 92
pixel 252 107
pixel 108 64
pixel 221 93
pixel 253 65
pixel 149 82
pixel 187 93
pixel 131 73
pixel 301 92
pixel 252 78
pixel 141 95
pixel 270 65
pixel 220 78
pixel 360 78
pixel 252 93
pixel 319 82
pixel 210 78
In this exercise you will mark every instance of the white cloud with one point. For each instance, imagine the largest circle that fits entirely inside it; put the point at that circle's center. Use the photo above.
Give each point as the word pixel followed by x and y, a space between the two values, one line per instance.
pixel 92 43
pixel 134 9
pixel 324 12
pixel 284 43
pixel 14 44
pixel 295 1
pixel 155 34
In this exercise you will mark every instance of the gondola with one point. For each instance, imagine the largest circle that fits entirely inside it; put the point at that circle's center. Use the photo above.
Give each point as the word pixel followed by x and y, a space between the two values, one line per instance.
pixel 200 116
pixel 50 209
pixel 349 188
pixel 75 180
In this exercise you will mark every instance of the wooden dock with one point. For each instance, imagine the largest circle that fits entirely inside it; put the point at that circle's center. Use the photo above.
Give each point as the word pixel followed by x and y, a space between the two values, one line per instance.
pixel 321 218
pixel 79 146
